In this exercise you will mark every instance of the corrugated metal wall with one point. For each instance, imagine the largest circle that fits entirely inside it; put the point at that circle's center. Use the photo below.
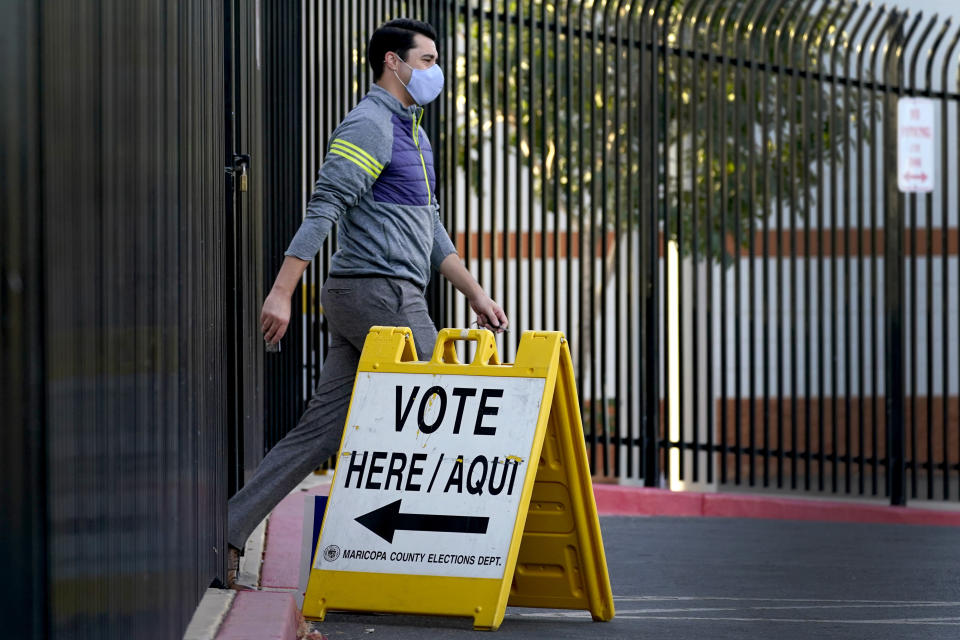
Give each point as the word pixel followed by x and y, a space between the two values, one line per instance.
pixel 113 342
pixel 132 180
pixel 22 495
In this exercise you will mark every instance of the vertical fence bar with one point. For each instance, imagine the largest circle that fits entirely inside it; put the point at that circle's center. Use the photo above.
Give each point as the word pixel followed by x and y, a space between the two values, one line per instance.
pixel 821 256
pixel 650 278
pixel 829 314
pixel 530 152
pixel 740 125
pixel 831 259
pixel 722 94
pixel 557 169
pixel 620 418
pixel 841 127
pixel 793 88
pixel 310 153
pixel 913 320
pixel 711 256
pixel 633 76
pixel 554 167
pixel 878 193
pixel 893 275
pixel 808 301
pixel 838 256
pixel 861 389
pixel 768 16
pixel 750 107
pixel 633 42
pixel 505 200
pixel 674 127
pixel 521 324
pixel 778 61
pixel 495 110
pixel 697 12
pixel 743 201
pixel 444 18
pixel 457 145
pixel 350 65
pixel 581 334
pixel 589 284
pixel 468 196
pixel 861 280
pixel 848 253
pixel 678 132
pixel 544 118
pixel 663 213
pixel 599 293
pixel 479 185
pixel 930 464
pixel 569 155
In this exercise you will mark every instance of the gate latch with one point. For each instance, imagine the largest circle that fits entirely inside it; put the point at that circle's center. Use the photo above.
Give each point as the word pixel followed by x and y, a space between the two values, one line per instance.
pixel 241 162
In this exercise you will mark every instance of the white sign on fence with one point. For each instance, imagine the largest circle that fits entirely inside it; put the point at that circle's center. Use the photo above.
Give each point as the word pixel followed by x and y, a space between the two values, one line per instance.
pixel 916 159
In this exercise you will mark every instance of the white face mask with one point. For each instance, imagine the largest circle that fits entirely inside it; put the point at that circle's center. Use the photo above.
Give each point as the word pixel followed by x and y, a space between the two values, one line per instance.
pixel 425 84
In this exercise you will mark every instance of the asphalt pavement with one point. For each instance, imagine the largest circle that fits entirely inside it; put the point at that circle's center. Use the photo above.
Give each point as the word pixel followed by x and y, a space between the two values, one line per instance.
pixel 717 578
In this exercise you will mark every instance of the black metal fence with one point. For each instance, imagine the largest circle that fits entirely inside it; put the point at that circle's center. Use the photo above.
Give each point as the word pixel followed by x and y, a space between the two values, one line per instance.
pixel 703 196
pixel 281 164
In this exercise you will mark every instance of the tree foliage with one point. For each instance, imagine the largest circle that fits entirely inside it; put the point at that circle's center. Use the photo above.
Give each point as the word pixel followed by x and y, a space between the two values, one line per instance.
pixel 712 116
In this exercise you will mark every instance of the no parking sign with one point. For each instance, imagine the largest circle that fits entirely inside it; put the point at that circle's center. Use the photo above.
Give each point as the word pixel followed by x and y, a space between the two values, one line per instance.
pixel 444 470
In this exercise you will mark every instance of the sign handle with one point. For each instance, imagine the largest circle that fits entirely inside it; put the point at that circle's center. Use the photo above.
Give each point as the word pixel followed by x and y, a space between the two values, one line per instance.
pixel 445 352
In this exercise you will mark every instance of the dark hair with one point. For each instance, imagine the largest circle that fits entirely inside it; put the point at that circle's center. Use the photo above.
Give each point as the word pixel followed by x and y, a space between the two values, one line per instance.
pixel 396 35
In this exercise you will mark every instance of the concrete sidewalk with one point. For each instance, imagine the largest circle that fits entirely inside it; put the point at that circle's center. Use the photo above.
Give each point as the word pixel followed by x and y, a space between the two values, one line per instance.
pixel 272 561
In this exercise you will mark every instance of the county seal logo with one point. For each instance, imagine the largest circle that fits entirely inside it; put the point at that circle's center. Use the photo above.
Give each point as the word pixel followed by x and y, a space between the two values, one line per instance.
pixel 331 553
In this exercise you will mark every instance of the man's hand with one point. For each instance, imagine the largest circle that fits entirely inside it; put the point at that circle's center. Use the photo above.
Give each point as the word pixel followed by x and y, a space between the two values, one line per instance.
pixel 275 316
pixel 489 314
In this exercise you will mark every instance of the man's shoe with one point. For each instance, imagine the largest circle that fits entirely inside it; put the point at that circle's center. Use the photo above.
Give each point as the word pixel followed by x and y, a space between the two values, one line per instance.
pixel 233 570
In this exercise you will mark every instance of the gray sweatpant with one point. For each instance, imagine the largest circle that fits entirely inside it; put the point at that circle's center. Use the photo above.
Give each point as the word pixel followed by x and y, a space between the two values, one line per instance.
pixel 351 306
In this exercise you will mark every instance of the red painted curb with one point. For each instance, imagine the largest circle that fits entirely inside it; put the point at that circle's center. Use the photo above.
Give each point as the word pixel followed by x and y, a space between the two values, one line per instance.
pixel 261 615
pixel 642 501
pixel 281 554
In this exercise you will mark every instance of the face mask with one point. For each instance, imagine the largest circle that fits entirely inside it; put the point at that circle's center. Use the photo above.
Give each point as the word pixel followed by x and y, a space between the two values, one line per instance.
pixel 425 84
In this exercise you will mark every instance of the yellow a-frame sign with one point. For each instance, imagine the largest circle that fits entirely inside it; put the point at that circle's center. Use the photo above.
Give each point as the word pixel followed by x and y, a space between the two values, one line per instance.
pixel 461 488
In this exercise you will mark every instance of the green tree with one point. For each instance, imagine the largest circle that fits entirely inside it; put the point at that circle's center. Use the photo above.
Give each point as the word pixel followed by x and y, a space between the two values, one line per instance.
pixel 580 85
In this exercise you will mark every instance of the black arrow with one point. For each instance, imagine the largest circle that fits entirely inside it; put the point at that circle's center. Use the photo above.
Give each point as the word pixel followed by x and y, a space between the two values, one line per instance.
pixel 386 520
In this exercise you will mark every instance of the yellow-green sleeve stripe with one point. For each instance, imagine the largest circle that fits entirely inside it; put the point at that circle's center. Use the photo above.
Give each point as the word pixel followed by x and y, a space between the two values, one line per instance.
pixel 360 152
pixel 354 160
pixel 356 156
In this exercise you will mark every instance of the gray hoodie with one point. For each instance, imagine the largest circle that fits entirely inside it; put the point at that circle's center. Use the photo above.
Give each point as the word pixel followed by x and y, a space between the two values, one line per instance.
pixel 377 181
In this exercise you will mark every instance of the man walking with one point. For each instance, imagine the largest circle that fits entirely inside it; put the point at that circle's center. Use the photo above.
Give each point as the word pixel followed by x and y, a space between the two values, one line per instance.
pixel 377 182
